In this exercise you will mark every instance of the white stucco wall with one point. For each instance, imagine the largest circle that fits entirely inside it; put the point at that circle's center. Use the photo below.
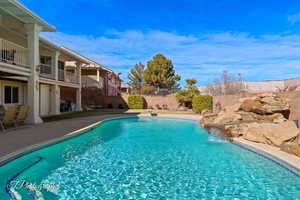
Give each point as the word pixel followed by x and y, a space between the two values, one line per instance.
pixel 22 91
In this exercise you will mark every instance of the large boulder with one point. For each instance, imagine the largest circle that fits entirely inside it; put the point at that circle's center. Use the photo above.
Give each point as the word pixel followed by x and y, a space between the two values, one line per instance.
pixel 208 119
pixel 252 105
pixel 233 108
pixel 266 104
pixel 236 129
pixel 206 111
pixel 227 117
pixel 271 133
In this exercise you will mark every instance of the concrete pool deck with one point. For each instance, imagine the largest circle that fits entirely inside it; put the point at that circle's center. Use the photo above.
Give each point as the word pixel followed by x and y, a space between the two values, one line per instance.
pixel 25 138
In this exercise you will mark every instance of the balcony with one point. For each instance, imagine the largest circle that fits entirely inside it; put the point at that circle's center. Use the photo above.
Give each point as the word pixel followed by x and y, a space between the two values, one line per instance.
pixel 12 53
pixel 46 71
pixel 71 77
pixel 66 76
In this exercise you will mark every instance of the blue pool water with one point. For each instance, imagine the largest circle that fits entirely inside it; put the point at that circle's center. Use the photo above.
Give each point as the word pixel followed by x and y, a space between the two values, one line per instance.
pixel 146 158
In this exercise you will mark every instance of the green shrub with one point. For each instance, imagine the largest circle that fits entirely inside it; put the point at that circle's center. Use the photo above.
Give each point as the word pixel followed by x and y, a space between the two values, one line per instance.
pixel 136 101
pixel 201 102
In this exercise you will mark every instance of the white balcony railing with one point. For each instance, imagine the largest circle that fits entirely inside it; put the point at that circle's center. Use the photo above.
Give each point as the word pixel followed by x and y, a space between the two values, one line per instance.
pixel 46 71
pixel 66 76
pixel 13 53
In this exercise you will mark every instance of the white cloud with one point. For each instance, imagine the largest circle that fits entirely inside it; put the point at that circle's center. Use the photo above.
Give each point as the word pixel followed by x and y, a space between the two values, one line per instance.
pixel 200 56
pixel 294 18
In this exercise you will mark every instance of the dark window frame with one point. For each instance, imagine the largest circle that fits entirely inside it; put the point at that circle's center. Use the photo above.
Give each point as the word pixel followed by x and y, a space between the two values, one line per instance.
pixel 11 94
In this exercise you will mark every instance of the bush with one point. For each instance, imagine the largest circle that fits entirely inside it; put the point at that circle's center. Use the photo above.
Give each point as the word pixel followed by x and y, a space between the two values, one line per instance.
pixel 201 102
pixel 136 101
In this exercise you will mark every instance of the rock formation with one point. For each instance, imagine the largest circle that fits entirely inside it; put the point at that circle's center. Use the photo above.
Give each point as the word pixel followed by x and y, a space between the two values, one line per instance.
pixel 262 119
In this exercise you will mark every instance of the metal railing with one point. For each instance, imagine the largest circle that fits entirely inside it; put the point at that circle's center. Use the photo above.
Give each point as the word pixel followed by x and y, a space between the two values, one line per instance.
pixel 66 76
pixel 71 77
pixel 46 71
pixel 13 53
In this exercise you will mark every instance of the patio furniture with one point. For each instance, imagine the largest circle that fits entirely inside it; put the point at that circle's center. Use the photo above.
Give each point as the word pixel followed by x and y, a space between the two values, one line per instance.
pixel 9 117
pixel 22 114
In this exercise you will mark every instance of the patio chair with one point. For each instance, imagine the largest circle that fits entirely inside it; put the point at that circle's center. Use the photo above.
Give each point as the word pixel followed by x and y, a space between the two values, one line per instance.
pixel 9 117
pixel 22 114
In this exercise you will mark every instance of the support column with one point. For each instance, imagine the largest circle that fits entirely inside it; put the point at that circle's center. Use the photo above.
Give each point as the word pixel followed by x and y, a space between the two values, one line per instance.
pixel 98 76
pixel 33 79
pixel 54 60
pixel 55 100
pixel 78 90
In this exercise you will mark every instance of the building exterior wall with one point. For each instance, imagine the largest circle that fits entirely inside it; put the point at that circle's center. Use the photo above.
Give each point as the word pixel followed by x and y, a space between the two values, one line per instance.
pixel 264 86
pixel 291 82
pixel 22 91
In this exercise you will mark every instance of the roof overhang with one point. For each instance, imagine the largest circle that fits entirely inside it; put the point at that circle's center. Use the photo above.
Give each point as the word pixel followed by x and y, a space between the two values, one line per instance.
pixel 89 63
pixel 47 44
pixel 16 9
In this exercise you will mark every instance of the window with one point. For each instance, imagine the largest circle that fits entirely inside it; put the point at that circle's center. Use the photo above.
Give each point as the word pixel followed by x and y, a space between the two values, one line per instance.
pixel 61 73
pixel 45 60
pixel 61 65
pixel 11 94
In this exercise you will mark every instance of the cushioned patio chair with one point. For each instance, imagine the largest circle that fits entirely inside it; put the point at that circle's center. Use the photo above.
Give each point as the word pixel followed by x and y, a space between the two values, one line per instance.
pixel 9 117
pixel 22 114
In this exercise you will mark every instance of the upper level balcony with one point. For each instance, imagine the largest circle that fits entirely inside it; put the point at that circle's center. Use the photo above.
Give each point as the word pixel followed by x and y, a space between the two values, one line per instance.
pixel 47 71
pixel 13 54
pixel 67 76
pixel 16 55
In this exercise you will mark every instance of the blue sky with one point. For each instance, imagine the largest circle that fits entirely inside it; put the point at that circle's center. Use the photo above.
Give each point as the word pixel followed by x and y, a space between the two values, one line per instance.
pixel 260 39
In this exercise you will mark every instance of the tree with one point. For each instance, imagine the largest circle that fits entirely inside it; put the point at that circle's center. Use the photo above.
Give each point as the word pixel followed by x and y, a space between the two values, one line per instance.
pixel 227 84
pixel 185 96
pixel 160 73
pixel 135 77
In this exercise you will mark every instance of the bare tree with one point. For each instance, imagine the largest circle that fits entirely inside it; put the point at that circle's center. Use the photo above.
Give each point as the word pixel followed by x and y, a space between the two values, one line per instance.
pixel 227 84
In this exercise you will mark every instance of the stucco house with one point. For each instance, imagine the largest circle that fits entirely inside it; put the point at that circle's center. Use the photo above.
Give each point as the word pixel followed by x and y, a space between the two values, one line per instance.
pixel 34 71
pixel 97 82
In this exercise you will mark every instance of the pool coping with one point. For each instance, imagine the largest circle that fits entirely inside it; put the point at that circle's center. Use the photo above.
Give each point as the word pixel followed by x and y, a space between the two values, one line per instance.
pixel 288 161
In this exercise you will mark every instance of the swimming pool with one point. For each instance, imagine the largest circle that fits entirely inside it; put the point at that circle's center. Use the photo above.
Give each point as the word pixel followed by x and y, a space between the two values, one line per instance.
pixel 146 158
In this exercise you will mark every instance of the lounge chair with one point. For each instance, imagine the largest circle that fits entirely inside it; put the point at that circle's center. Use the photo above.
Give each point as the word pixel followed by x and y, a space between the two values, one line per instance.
pixel 9 117
pixel 22 114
